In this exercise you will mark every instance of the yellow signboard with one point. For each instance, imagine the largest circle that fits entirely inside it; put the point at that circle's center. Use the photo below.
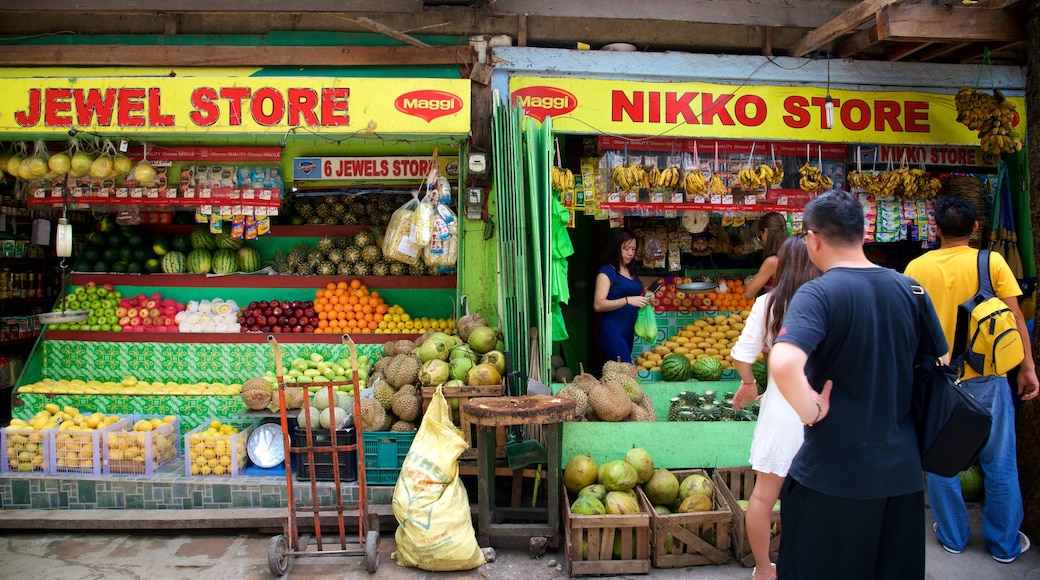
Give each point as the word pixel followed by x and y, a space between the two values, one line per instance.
pixel 706 110
pixel 266 105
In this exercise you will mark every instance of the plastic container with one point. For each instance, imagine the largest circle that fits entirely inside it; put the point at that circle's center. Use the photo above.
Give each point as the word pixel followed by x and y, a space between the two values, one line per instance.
pixel 142 452
pixel 323 461
pixel 80 452
pixel 25 450
pixel 217 455
pixel 384 455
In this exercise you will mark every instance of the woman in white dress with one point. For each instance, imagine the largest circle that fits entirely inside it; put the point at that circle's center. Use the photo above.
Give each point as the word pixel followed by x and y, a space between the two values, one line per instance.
pixel 779 431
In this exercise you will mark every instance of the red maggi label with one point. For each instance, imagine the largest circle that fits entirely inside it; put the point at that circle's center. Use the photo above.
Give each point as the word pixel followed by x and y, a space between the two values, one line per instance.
pixel 428 104
pixel 541 102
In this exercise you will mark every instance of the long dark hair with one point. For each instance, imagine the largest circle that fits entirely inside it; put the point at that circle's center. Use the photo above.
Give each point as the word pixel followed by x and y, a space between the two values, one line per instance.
pixel 621 235
pixel 776 225
pixel 793 269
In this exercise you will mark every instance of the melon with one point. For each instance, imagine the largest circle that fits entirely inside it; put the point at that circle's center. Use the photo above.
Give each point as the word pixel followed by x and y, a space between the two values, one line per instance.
pixel 675 367
pixel 173 263
pixel 199 261
pixel 249 259
pixel 202 239
pixel 224 262
pixel 225 241
pixel 181 244
pixel 706 369
pixel 971 483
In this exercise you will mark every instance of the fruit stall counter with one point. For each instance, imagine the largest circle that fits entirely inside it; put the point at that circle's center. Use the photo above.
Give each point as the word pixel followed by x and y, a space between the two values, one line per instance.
pixel 673 444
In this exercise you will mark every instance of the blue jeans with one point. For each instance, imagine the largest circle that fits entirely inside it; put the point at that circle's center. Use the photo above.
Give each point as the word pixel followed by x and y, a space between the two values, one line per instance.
pixel 1002 514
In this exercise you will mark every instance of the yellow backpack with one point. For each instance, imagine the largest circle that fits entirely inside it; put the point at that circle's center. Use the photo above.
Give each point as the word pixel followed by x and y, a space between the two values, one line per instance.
pixel 987 337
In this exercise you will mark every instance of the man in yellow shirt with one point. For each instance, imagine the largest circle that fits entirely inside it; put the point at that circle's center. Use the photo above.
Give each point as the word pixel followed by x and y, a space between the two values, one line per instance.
pixel 950 276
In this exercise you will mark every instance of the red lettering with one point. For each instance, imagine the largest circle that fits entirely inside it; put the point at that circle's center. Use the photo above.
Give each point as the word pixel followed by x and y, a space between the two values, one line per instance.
pixel 206 111
pixel 131 101
pixel 30 116
pixel 619 104
pixel 234 96
pixel 277 106
pixel 673 107
pixel 155 116
pixel 56 102
pixel 711 108
pixel 655 107
pixel 384 167
pixel 916 116
pixel 335 100
pixel 797 117
pixel 326 168
pixel 821 102
pixel 861 120
pixel 301 104
pixel 887 113
pixel 91 104
pixel 741 110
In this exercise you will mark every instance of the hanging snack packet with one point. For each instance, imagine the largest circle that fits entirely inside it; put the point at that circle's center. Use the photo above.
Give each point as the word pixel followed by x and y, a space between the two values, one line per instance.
pixel 399 242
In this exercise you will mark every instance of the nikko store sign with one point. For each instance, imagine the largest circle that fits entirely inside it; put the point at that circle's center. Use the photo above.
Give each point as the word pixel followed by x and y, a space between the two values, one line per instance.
pixel 707 110
pixel 191 105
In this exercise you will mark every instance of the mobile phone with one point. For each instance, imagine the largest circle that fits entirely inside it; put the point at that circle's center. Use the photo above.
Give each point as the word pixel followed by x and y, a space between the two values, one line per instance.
pixel 654 287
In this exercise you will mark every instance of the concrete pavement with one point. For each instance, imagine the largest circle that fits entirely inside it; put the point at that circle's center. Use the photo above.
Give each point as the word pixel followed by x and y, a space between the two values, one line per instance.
pixel 243 556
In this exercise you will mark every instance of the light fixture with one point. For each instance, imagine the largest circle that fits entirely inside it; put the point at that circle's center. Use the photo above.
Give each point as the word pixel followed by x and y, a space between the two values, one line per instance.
pixel 829 105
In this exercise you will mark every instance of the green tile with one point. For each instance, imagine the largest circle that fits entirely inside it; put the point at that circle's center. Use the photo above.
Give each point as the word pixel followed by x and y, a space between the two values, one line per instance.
pixel 196 500
pixel 269 500
pixel 245 499
pixel 180 490
pixel 221 493
pixel 107 499
pixel 63 499
pixel 44 500
pixel 86 491
pixel 134 501
pixel 19 492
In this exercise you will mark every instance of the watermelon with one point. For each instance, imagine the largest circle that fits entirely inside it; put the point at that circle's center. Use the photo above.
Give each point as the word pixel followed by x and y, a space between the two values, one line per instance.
pixel 152 266
pixel 161 245
pixel 120 267
pixel 116 240
pixel 248 259
pixel 707 369
pixel 126 254
pixel 224 262
pixel 675 367
pixel 142 253
pixel 971 483
pixel 181 244
pixel 224 241
pixel 101 266
pixel 135 268
pixel 199 261
pixel 90 255
pixel 758 369
pixel 108 223
pixel 201 239
pixel 173 263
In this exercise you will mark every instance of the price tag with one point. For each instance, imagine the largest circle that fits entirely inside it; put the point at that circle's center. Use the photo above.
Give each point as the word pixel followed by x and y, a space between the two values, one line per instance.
pixel 171 193
pixel 152 193
pixel 716 199
pixel 265 194
pixel 750 200
pixel 225 210
pixel 657 197
pixel 677 197
pixel 272 211
pixel 236 210
pixel 235 194
pixel 700 199
pixel 248 210
pixel 39 193
pixel 260 211
pixel 614 197
pixel 782 200
pixel 137 192
pixel 206 209
pixel 104 192
pixel 205 193
pixel 631 197
pixel 189 193
pixel 249 193
pixel 728 198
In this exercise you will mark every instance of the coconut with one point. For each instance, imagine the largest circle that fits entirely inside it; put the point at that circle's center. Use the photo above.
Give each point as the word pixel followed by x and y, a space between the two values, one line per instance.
pixel 617 475
pixel 463 351
pixel 467 323
pixel 621 502
pixel 696 484
pixel 588 505
pixel 662 488
pixel 433 348
pixel 696 503
pixel 483 374
pixel 563 375
pixel 434 372
pixel 482 339
pixel 641 460
pixel 460 367
pixel 596 490
pixel 579 473
pixel 495 358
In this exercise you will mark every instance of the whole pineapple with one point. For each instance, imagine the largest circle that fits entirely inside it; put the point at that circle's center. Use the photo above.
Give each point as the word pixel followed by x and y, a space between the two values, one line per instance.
pixel 398 268
pixel 335 256
pixel 325 245
pixel 323 211
pixel 297 255
pixel 362 269
pixel 363 238
pixel 371 253
pixel 344 269
pixel 326 269
pixel 352 254
pixel 314 257
pixel 381 268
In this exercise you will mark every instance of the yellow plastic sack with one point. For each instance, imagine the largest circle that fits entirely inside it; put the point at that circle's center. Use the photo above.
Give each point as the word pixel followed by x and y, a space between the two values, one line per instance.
pixel 434 530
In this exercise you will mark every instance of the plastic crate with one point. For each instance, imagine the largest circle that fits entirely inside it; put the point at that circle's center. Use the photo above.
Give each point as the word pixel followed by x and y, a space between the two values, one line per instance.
pixel 217 455
pixel 736 485
pixel 692 538
pixel 80 452
pixel 142 452
pixel 25 450
pixel 384 455
pixel 323 462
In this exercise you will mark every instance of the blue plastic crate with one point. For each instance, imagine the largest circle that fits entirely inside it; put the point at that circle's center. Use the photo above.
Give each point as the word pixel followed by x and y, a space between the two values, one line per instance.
pixel 384 455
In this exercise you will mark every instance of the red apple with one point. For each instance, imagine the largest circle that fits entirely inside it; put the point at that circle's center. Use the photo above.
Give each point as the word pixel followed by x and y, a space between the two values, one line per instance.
pixel 132 312
pixel 135 320
pixel 154 312
pixel 126 302
pixel 170 310
pixel 121 311
pixel 151 304
pixel 91 284
pixel 124 320
pixel 276 329
pixel 169 302
pixel 157 296
pixel 109 287
pixel 141 298
pixel 180 306
pixel 168 321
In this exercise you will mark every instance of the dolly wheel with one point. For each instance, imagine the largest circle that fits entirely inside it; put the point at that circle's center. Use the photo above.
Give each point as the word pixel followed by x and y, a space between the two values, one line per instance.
pixel 277 555
pixel 371 550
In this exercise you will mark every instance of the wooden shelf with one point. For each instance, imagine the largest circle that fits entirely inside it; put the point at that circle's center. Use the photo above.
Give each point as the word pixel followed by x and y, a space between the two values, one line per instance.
pixel 262 281
pixel 651 207
pixel 22 261
pixel 220 338
pixel 277 230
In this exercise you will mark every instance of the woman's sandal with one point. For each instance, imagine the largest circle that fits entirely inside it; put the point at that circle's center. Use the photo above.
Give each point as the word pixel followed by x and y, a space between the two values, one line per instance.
pixel 755 576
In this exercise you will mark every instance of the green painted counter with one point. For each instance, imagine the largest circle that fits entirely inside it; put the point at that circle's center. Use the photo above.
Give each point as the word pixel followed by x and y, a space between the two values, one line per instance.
pixel 673 445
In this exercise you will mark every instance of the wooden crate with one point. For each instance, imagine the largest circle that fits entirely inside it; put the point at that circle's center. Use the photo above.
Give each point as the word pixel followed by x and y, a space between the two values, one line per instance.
pixel 697 538
pixel 736 483
pixel 589 542
pixel 464 394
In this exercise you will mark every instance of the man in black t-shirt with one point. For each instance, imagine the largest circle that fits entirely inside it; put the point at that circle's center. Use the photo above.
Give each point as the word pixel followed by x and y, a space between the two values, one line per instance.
pixel 852 506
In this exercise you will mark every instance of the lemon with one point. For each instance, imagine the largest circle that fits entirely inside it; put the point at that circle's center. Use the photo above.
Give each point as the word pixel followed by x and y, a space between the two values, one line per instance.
pixel 214 424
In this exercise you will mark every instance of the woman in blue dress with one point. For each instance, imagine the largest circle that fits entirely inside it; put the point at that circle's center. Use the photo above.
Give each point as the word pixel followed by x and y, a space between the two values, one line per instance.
pixel 618 297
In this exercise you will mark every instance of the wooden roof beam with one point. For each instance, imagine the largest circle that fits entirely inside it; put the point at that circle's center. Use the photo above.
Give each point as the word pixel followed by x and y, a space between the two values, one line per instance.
pixel 903 50
pixel 939 50
pixel 923 23
pixel 230 56
pixel 845 23
pixel 206 6
pixel 857 43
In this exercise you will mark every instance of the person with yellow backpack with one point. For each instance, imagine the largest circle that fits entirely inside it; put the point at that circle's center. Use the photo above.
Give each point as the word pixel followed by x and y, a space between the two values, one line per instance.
pixel 975 295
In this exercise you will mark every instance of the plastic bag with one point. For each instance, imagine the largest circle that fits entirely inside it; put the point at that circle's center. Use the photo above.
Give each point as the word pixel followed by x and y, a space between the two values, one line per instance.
pixel 435 529
pixel 399 242
pixel 424 215
pixel 646 324
pixel 442 253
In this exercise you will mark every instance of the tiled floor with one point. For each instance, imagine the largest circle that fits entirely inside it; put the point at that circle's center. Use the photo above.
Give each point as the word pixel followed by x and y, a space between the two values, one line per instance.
pixel 169 488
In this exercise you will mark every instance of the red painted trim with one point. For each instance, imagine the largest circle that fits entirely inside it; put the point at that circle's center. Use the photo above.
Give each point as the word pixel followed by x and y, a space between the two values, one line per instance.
pixel 277 230
pixel 261 281
pixel 222 338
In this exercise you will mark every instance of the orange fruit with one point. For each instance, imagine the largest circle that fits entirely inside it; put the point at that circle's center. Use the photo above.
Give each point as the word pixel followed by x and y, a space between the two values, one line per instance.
pixel 355 283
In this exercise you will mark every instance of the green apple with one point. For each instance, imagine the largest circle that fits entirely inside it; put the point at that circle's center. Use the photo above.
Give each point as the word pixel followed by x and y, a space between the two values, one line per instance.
pixel 316 357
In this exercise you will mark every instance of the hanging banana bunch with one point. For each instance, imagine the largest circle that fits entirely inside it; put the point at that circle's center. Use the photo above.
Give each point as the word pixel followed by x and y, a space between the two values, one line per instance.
pixel 630 177
pixel 562 180
pixel 813 179
pixel 716 186
pixel 750 179
pixel 651 176
pixel 669 178
pixel 771 174
pixel 973 107
pixel 997 133
pixel 694 184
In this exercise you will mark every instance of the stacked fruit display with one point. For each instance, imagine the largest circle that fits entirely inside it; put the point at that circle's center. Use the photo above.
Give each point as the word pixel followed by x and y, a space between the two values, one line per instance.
pixel 217 253
pixel 278 316
pixel 119 249
pixel 76 442
pixel 707 337
pixel 153 313
pixel 217 315
pixel 342 256
pixel 217 448
pixel 709 406
pixel 103 302
pixel 608 488
pixel 728 295
pixel 149 444
pixel 23 441
pixel 128 385
pixel 618 397
pixel 365 209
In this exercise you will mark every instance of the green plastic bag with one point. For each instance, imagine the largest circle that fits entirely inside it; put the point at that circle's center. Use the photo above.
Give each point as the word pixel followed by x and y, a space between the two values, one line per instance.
pixel 646 324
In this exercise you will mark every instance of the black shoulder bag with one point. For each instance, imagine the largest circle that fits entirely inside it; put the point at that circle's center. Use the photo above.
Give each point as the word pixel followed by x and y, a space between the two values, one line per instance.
pixel 952 427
